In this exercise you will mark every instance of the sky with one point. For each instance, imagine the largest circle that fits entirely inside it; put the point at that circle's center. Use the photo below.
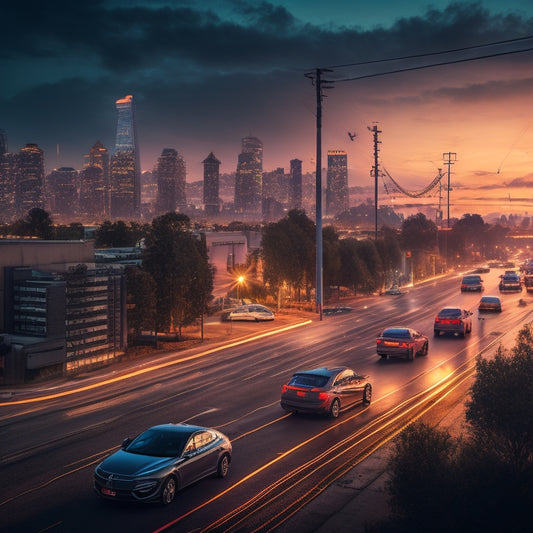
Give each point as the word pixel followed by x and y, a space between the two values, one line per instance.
pixel 206 74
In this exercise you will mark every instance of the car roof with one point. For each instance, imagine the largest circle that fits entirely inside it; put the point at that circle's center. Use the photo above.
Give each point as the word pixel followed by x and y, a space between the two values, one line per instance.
pixel 323 371
pixel 396 330
pixel 490 299
pixel 185 429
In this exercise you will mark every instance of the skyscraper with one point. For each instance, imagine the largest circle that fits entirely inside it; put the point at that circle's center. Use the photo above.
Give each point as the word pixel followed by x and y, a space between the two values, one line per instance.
pixel 295 184
pixel 125 167
pixel 211 184
pixel 3 143
pixel 95 182
pixel 62 191
pixel 337 183
pixel 249 177
pixel 29 186
pixel 170 175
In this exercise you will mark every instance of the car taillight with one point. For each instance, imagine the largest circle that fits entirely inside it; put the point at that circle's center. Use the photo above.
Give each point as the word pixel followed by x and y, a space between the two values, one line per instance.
pixel 284 389
pixel 322 395
pixel 404 345
pixel 379 341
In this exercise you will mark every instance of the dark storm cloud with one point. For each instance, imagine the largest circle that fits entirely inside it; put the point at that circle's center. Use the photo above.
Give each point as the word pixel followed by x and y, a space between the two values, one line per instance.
pixel 201 77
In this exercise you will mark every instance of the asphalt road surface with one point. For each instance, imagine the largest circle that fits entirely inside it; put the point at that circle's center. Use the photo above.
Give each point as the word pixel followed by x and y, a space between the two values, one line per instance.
pixel 49 446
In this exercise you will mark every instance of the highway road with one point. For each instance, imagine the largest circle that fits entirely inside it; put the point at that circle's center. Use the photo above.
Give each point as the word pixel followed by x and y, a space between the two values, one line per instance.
pixel 49 447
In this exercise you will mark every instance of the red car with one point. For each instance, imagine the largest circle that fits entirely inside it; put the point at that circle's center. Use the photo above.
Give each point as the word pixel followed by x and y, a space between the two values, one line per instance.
pixel 401 342
pixel 325 391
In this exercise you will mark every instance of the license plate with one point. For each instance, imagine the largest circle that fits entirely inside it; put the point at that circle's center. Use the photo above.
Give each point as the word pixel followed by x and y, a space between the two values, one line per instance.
pixel 390 343
pixel 300 393
pixel 108 492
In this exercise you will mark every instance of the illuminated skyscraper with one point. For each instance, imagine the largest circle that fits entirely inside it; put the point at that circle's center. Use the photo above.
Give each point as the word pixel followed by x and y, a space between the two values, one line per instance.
pixel 337 187
pixel 295 184
pixel 170 175
pixel 249 177
pixel 29 185
pixel 95 182
pixel 125 167
pixel 211 185
pixel 62 191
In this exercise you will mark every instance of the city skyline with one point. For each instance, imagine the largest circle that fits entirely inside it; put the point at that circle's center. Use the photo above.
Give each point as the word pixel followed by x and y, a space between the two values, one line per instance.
pixel 241 72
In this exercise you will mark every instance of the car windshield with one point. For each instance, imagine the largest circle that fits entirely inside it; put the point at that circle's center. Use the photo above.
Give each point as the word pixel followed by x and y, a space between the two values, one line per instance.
pixel 309 380
pixel 489 300
pixel 397 332
pixel 450 313
pixel 158 443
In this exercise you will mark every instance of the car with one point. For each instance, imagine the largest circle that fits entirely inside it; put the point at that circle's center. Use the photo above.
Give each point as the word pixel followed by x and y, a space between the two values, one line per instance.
pixel 453 320
pixel 482 270
pixel 162 460
pixel 254 312
pixel 510 282
pixel 401 341
pixel 393 291
pixel 325 391
pixel 336 310
pixel 490 303
pixel 472 282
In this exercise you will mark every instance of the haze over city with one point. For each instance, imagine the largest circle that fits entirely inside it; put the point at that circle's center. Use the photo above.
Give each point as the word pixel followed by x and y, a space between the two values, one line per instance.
pixel 205 76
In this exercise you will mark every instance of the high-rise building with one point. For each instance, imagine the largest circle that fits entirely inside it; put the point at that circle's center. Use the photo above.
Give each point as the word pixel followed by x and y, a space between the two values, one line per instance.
pixel 3 143
pixel 211 185
pixel 7 180
pixel 295 184
pixel 95 182
pixel 125 167
pixel 29 186
pixel 249 177
pixel 62 191
pixel 274 194
pixel 171 176
pixel 337 200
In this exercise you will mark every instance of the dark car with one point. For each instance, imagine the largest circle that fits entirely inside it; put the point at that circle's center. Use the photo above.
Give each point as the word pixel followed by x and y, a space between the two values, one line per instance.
pixel 325 391
pixel 510 282
pixel 453 320
pixel 472 282
pixel 490 303
pixel 401 342
pixel 162 460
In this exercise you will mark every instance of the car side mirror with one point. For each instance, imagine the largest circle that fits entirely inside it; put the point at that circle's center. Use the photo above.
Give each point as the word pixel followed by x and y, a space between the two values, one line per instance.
pixel 125 443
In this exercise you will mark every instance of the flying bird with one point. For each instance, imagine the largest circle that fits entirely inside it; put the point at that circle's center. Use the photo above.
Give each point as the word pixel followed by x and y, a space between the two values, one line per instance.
pixel 352 136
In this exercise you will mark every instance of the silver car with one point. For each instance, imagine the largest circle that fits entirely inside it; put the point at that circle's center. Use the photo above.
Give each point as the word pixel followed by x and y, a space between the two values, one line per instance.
pixel 252 312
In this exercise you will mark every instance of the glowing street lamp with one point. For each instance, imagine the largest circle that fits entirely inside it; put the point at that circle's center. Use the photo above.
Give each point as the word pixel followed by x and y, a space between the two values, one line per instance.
pixel 240 281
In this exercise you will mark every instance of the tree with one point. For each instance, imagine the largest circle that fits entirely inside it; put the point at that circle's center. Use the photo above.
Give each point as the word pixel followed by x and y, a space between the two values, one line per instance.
pixel 119 234
pixel 288 250
pixel 501 405
pixel 331 256
pixel 141 291
pixel 352 270
pixel 40 224
pixel 418 233
pixel 177 260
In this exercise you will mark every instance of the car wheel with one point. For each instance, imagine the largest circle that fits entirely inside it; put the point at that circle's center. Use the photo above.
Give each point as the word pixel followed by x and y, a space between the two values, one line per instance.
pixel 223 466
pixel 411 354
pixel 424 349
pixel 335 408
pixel 367 394
pixel 168 490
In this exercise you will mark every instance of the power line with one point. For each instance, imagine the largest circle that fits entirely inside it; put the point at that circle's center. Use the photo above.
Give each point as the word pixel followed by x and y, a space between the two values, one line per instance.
pixel 430 54
pixel 451 62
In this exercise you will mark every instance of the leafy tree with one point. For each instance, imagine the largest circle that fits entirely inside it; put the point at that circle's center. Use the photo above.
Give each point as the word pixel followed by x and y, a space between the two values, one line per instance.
pixel 288 250
pixel 141 290
pixel 331 256
pixel 74 231
pixel 352 269
pixel 119 234
pixel 501 405
pixel 468 237
pixel 367 252
pixel 177 260
pixel 39 223
pixel 418 233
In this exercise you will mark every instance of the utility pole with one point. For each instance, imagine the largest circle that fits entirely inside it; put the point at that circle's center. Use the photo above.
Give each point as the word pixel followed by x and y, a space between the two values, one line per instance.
pixel 316 78
pixel 375 173
pixel 449 159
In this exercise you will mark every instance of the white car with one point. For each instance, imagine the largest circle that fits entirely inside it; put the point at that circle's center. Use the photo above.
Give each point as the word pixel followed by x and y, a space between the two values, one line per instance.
pixel 253 312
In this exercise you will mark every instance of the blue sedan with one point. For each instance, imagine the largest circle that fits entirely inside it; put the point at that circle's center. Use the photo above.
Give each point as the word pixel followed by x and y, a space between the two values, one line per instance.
pixel 162 460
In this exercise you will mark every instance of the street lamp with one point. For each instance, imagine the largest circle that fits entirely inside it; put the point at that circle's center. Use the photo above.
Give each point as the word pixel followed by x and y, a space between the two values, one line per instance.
pixel 240 280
